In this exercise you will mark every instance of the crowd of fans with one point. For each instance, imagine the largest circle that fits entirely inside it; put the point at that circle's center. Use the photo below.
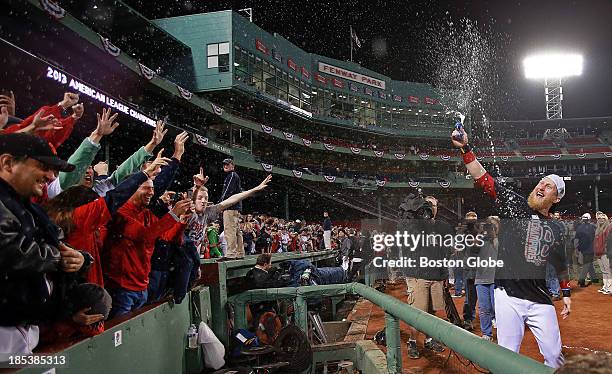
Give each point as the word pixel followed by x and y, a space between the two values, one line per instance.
pixel 80 245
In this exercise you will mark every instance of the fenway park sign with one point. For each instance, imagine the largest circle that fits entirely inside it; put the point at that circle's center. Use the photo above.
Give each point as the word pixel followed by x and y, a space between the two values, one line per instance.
pixel 351 75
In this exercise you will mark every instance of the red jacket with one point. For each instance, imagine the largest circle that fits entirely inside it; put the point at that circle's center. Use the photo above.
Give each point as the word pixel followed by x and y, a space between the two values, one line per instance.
pixel 132 235
pixel 89 234
pixel 54 137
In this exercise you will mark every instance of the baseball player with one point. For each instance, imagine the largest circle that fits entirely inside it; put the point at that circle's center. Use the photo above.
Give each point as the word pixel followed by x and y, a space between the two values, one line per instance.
pixel 528 241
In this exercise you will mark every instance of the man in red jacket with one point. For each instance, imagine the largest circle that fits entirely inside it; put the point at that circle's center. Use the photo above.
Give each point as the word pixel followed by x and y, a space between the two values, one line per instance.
pixel 133 232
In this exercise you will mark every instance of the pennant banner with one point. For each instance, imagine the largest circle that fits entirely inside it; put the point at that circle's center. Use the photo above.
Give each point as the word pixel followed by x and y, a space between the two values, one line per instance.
pixel 399 156
pixel 53 9
pixel 504 158
pixel 267 129
pixel 266 167
pixel 217 109
pixel 381 183
pixel 356 150
pixel 556 157
pixel 608 154
pixel 479 158
pixel 330 178
pixel 423 156
pixel 109 47
pixel 530 158
pixel 297 173
pixel 306 142
pixel 581 155
pixel 288 135
pixel 379 153
pixel 413 184
pixel 445 157
pixel 329 147
pixel 202 140
pixel 444 184
pixel 185 94
pixel 146 72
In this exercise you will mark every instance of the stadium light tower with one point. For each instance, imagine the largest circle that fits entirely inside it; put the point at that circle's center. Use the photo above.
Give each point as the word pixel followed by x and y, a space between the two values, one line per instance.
pixel 553 68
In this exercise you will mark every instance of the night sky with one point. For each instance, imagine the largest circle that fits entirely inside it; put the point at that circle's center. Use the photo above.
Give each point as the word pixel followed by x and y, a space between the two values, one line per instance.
pixel 402 40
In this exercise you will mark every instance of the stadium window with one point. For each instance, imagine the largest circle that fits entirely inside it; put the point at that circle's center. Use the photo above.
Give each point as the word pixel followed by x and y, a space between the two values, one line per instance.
pixel 218 56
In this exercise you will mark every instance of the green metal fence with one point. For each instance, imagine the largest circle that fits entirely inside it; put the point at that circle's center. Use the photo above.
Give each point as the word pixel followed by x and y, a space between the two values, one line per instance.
pixel 485 354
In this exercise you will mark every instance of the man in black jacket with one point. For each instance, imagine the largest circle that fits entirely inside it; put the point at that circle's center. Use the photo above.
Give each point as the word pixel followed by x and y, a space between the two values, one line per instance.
pixel 32 257
pixel 231 216
pixel 263 276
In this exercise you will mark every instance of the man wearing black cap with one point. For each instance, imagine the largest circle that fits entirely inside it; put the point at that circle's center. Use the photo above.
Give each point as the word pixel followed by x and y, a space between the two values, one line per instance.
pixel 31 253
pixel 231 216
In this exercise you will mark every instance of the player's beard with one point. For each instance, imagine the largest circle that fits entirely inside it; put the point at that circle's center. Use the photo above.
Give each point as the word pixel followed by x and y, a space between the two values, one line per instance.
pixel 539 204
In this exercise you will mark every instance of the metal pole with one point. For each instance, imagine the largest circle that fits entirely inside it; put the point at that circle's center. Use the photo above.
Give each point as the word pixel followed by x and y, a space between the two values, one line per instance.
pixel 301 313
pixel 394 344
pixel 351 40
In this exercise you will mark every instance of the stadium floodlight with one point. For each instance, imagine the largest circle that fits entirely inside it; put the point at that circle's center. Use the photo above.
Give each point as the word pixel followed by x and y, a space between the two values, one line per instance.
pixel 553 68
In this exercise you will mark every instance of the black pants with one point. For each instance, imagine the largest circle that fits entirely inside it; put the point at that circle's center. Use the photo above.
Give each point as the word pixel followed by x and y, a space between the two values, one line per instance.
pixel 471 297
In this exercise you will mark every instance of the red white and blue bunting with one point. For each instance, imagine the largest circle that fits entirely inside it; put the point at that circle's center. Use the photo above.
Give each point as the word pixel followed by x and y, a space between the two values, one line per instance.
pixel 267 129
pixel 479 158
pixel 423 156
pixel 217 109
pixel 306 142
pixel 445 157
pixel 444 184
pixel 109 47
pixel 355 150
pixel 297 173
pixel 329 147
pixel 399 156
pixel 379 153
pixel 580 155
pixel 288 135
pixel 504 158
pixel 556 157
pixel 53 9
pixel 608 154
pixel 266 167
pixel 185 94
pixel 380 183
pixel 202 140
pixel 146 72
pixel 530 157
pixel 413 184
pixel 330 178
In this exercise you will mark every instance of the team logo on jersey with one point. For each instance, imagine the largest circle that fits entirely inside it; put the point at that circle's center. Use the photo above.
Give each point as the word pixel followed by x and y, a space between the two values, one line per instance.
pixel 185 94
pixel 216 109
pixel 444 184
pixel 608 154
pixel 539 242
pixel 445 157
pixel 266 167
pixel 399 156
pixel 556 157
pixel 330 178
pixel 530 157
pixel 146 72
pixel 297 173
pixel 356 150
pixel 380 183
pixel 504 158
pixel 413 184
pixel 423 156
pixel 53 9
pixel 267 129
pixel 306 142
pixel 288 135
pixel 379 153
pixel 329 147
pixel 109 47
pixel 581 155
pixel 202 140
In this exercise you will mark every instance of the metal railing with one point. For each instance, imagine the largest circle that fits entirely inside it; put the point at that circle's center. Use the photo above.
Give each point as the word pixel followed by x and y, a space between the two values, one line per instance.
pixel 483 353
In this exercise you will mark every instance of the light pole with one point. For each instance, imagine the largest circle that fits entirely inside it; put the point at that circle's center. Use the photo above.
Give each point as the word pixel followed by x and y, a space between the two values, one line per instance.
pixel 553 67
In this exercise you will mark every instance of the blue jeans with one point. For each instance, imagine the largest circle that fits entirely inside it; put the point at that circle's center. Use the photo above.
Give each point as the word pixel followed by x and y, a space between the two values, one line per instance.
pixel 486 307
pixel 552 282
pixel 124 301
pixel 458 273
pixel 158 284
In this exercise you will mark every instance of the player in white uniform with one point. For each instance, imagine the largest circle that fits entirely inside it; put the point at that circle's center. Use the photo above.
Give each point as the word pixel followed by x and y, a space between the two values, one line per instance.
pixel 528 241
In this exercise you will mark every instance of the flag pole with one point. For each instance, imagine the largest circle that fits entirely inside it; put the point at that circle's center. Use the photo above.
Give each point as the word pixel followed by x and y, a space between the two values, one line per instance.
pixel 351 38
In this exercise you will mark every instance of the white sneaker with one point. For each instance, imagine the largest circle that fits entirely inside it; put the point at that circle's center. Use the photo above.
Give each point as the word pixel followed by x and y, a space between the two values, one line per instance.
pixel 487 338
pixel 494 323
pixel 602 290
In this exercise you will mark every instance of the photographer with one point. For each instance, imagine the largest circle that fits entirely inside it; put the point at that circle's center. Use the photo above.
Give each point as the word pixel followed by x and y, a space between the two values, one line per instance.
pixel 469 226
pixel 485 278
pixel 425 285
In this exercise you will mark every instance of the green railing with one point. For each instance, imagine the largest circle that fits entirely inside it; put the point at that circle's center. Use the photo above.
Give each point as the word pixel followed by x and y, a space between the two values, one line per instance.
pixel 485 354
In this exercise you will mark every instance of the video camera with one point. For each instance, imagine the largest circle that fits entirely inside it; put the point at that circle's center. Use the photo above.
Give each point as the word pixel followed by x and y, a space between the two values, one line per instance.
pixel 415 207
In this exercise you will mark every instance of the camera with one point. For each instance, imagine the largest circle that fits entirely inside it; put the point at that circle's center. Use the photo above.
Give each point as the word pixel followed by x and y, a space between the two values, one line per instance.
pixel 415 207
